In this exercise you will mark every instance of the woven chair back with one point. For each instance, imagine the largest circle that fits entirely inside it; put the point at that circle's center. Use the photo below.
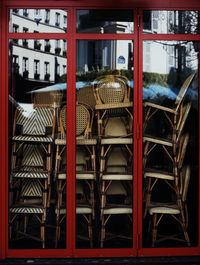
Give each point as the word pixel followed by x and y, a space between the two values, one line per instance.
pixel 35 121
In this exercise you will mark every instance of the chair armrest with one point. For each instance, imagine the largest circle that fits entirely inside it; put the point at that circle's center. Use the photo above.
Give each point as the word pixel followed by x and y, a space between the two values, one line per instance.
pixel 160 107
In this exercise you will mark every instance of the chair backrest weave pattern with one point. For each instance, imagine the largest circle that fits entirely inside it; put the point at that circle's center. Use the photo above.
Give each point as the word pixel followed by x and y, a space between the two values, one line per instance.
pixel 36 121
pixel 82 120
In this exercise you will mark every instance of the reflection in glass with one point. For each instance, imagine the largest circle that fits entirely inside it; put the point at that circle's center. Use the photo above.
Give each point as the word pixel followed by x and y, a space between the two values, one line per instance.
pixel 170 143
pixel 105 21
pixel 104 145
pixel 37 91
pixel 38 20
pixel 170 22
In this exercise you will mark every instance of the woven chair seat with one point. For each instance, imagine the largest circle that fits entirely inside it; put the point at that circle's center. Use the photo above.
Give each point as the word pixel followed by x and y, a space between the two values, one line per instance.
pixel 60 141
pixel 117 176
pixel 151 173
pixel 117 209
pixel 83 209
pixel 114 105
pixel 117 140
pixel 82 141
pixel 168 209
pixel 80 209
pixel 26 210
pixel 158 140
pixel 31 175
pixel 32 139
pixel 85 176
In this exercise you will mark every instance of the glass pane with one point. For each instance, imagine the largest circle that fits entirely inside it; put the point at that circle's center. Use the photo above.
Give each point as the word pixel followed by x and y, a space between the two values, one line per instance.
pixel 38 20
pixel 104 145
pixel 37 176
pixel 170 22
pixel 170 143
pixel 105 21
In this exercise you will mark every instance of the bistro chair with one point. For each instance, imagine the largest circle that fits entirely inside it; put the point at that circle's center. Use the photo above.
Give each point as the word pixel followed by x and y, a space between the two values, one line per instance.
pixel 168 144
pixel 112 94
pixel 85 168
pixel 115 191
pixel 172 114
pixel 172 179
pixel 85 95
pixel 31 165
pixel 176 211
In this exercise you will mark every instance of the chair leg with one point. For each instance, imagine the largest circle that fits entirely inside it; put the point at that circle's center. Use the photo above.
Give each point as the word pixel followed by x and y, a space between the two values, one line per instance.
pixel 147 195
pixel 90 233
pixel 42 231
pixel 154 229
pixel 102 237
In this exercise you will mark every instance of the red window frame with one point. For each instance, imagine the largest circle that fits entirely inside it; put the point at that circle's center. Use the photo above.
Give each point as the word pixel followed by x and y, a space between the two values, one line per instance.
pixel 71 36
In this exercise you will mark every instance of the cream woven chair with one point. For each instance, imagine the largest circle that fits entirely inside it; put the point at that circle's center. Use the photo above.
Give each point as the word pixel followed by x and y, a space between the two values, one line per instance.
pixel 85 167
pixel 112 94
pixel 116 183
pixel 177 211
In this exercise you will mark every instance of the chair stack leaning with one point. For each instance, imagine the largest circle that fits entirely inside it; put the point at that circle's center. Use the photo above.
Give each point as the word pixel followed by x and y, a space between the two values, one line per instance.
pixel 85 173
pixel 114 120
pixel 30 176
pixel 173 172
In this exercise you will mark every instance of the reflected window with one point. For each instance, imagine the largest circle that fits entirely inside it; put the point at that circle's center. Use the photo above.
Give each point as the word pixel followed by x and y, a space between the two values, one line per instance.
pixel 15 28
pixel 25 12
pixel 105 21
pixel 36 69
pixel 57 19
pixel 47 16
pixel 39 20
pixel 170 22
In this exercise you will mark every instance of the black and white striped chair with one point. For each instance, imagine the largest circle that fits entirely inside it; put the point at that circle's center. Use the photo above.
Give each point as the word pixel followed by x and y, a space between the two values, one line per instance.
pixel 31 168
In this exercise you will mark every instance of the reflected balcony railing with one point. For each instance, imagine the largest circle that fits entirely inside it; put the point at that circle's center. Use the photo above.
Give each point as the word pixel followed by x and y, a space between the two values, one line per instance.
pixel 47 48
pixel 57 50
pixel 37 45
pixel 36 76
pixel 47 77
pixel 25 74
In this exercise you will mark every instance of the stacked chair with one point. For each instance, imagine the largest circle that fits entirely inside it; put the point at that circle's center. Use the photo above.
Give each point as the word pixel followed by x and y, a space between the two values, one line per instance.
pixel 173 172
pixel 30 176
pixel 85 173
pixel 114 119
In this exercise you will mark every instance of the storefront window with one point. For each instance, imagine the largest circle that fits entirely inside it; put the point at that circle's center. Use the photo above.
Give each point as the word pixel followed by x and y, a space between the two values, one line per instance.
pixel 104 21
pixel 104 145
pixel 37 138
pixel 170 143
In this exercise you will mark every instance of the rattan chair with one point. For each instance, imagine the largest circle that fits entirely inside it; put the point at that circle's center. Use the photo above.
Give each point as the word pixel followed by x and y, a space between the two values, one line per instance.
pixel 176 211
pixel 30 195
pixel 112 94
pixel 85 95
pixel 173 114
pixel 115 191
pixel 31 167
pixel 172 179
pixel 169 144
pixel 85 167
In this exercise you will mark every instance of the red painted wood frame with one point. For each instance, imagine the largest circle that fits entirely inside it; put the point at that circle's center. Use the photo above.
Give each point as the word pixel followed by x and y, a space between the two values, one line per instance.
pixel 71 36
